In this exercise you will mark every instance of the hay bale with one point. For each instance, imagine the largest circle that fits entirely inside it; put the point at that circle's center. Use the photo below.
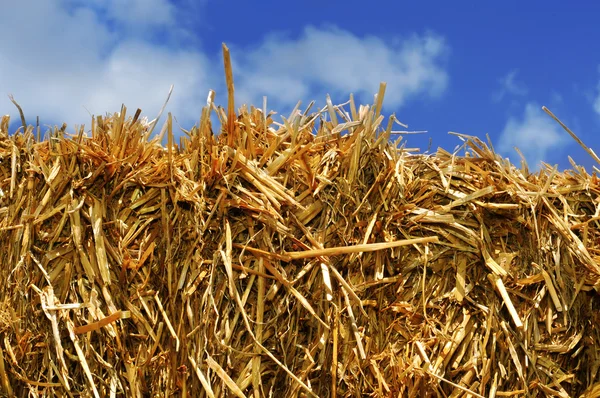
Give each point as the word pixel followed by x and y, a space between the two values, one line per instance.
pixel 309 258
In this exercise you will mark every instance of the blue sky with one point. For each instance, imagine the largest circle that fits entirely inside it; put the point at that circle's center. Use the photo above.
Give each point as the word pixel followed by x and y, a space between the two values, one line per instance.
pixel 473 68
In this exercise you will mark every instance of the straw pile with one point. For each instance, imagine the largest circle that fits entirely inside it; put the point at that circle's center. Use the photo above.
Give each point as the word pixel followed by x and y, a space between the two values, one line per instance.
pixel 310 258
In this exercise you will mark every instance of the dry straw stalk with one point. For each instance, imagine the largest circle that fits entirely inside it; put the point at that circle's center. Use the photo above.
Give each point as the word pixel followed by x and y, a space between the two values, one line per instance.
pixel 309 258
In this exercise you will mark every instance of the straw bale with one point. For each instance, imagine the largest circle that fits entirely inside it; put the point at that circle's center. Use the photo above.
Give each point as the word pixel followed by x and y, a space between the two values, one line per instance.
pixel 315 257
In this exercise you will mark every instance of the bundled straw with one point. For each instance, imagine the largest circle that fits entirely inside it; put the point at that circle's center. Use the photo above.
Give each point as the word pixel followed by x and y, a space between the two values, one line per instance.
pixel 309 258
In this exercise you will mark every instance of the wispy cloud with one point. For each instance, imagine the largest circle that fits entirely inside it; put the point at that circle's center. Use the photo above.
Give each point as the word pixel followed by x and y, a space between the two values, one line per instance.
pixel 597 101
pixel 136 14
pixel 335 61
pixel 74 57
pixel 556 98
pixel 509 86
pixel 535 134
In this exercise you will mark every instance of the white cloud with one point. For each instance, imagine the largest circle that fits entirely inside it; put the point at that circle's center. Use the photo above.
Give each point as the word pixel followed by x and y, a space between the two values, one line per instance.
pixel 597 101
pixel 131 17
pixel 69 61
pixel 535 135
pixel 76 57
pixel 135 12
pixel 556 98
pixel 335 61
pixel 510 86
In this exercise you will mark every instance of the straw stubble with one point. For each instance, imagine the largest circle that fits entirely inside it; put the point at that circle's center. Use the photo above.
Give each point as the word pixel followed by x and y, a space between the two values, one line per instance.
pixel 309 258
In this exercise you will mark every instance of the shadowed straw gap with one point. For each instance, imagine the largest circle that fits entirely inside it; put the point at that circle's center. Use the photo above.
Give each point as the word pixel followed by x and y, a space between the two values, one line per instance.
pixel 290 260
